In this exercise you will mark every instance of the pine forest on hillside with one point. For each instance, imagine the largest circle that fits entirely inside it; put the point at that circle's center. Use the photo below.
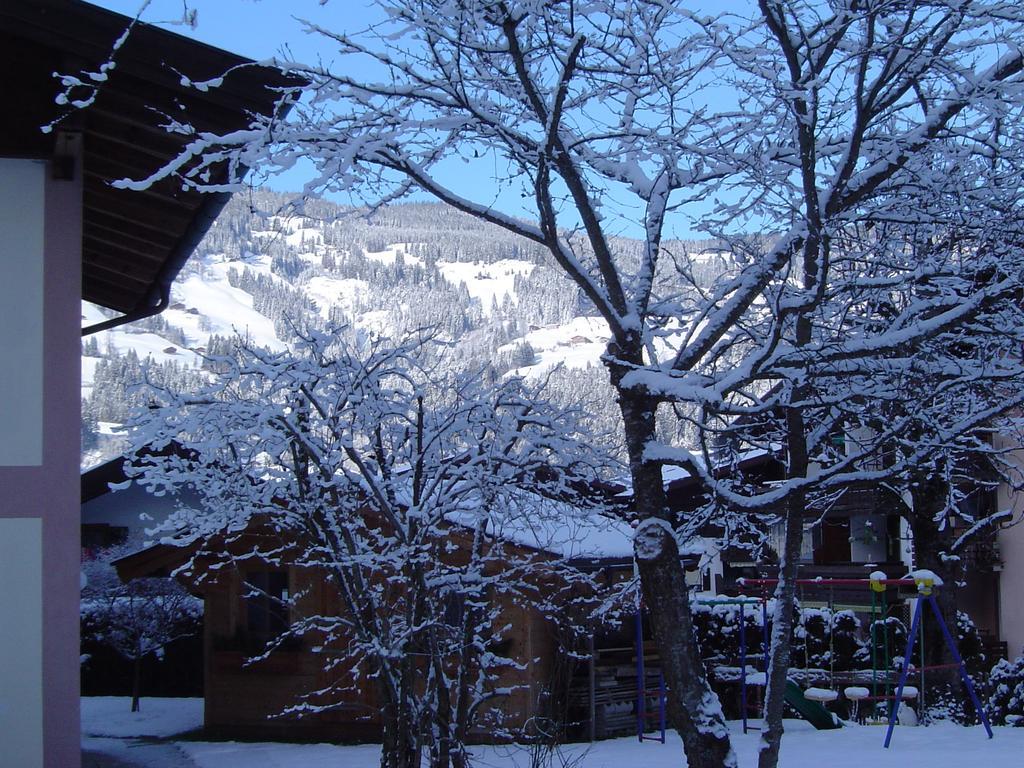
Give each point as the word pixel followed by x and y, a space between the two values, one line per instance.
pixel 403 267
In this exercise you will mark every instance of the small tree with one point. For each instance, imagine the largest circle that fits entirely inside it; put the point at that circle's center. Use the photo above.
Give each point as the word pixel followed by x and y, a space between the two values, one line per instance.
pixel 138 619
pixel 1006 692
pixel 427 503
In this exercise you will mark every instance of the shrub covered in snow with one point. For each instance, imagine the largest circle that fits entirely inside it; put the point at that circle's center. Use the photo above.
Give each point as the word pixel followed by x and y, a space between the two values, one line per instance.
pixel 891 634
pixel 827 639
pixel 969 644
pixel 1005 704
pixel 947 697
pixel 718 631
pixel 848 643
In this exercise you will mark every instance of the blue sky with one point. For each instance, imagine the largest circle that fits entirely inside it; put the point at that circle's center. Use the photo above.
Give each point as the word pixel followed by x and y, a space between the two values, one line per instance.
pixel 255 28
pixel 258 28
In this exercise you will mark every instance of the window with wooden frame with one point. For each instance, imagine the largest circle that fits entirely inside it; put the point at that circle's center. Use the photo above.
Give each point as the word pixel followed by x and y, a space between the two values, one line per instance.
pixel 266 604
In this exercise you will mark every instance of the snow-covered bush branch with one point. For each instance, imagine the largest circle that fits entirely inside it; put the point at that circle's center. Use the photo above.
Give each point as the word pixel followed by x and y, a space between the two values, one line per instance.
pixel 427 505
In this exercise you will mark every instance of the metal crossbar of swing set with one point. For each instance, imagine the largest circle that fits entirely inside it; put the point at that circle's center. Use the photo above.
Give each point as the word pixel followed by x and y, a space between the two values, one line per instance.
pixel 924 587
pixel 829 582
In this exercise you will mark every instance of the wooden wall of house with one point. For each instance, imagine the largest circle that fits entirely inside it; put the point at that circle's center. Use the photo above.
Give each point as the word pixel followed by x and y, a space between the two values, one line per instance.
pixel 244 699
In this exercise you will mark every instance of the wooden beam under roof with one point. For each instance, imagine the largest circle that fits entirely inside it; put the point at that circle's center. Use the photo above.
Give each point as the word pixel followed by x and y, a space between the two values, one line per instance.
pixel 134 243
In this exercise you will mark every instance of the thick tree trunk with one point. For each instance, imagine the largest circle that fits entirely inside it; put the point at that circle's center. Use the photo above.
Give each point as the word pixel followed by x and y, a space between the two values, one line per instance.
pixel 781 646
pixel 400 746
pixel 441 748
pixel 785 592
pixel 694 708
pixel 469 663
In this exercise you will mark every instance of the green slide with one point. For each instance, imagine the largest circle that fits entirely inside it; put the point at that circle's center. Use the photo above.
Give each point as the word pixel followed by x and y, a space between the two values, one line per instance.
pixel 811 711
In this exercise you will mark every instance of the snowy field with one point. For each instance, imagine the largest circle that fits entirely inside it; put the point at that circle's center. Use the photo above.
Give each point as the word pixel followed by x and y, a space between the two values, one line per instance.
pixel 112 716
pixel 938 746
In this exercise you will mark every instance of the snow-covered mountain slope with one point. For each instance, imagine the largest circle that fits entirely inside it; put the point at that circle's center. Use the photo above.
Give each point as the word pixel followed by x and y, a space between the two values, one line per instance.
pixel 500 300
pixel 578 343
pixel 207 304
pixel 490 283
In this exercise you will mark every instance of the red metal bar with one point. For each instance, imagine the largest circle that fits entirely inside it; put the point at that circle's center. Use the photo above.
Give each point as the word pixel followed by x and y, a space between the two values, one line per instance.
pixel 876 698
pixel 829 582
pixel 932 667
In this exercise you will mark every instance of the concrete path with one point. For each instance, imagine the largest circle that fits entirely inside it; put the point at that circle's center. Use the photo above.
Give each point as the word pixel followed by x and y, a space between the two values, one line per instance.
pixel 132 753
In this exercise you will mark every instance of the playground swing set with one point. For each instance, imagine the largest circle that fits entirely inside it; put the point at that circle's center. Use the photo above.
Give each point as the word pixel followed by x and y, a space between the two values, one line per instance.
pixel 643 714
pixel 810 703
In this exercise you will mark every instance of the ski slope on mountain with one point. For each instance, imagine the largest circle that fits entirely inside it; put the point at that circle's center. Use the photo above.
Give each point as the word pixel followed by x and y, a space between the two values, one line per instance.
pixel 489 283
pixel 494 301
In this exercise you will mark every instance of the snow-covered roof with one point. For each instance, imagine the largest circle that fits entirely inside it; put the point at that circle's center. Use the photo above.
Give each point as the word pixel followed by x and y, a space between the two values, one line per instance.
pixel 553 526
pixel 578 536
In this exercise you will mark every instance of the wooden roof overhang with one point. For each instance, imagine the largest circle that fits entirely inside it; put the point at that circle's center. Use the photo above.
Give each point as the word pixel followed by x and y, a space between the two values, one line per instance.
pixel 134 243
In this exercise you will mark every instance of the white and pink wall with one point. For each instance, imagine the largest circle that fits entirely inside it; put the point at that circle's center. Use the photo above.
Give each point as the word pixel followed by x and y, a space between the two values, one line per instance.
pixel 40 310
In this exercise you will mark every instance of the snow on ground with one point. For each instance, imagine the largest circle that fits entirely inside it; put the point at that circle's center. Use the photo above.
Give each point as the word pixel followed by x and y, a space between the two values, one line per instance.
pixel 330 292
pixel 388 255
pixel 307 236
pixel 91 314
pixel 710 256
pixel 376 321
pixel 580 343
pixel 938 746
pixel 943 745
pixel 487 282
pixel 111 716
pixel 225 310
pixel 144 344
pixel 233 755
pixel 132 753
pixel 294 230
pixel 154 346
pixel 88 373
pixel 577 344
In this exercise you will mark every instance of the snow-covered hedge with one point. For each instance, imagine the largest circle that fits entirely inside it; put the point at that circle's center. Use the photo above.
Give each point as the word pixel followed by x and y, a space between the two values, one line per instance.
pixel 1005 704
pixel 719 637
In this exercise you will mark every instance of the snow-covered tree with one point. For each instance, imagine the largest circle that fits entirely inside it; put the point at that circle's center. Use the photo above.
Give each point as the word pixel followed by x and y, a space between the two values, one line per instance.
pixel 137 619
pixel 426 503
pixel 862 137
pixel 1005 684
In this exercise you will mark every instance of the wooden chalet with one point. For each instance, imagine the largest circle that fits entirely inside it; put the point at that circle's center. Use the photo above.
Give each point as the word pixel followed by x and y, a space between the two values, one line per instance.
pixel 244 699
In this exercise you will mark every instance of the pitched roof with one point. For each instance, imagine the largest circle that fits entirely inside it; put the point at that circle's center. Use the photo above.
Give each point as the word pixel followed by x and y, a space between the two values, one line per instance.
pixel 133 243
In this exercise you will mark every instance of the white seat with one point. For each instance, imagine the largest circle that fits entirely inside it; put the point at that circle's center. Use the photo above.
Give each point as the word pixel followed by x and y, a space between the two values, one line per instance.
pixel 820 695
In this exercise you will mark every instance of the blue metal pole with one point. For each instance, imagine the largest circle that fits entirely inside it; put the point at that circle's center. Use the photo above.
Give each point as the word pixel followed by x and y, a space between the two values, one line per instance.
pixel 661 704
pixel 765 641
pixel 904 671
pixel 766 647
pixel 641 713
pixel 963 670
pixel 743 666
